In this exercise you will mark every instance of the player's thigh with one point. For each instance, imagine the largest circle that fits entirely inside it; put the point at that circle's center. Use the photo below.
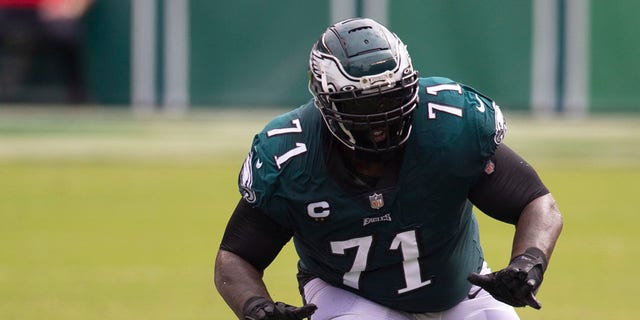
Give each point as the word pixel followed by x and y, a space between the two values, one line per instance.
pixel 482 307
pixel 337 304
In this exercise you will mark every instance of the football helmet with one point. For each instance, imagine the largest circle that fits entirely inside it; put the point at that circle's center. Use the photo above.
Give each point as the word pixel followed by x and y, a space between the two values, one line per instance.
pixel 364 85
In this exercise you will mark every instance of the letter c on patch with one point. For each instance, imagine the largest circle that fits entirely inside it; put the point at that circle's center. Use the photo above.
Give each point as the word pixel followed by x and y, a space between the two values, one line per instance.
pixel 318 210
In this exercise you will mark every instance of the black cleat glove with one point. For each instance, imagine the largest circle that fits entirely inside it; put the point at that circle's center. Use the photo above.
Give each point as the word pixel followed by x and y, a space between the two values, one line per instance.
pixel 518 283
pixel 260 308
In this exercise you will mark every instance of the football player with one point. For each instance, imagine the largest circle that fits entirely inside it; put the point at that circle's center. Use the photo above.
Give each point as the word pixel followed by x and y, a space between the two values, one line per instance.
pixel 375 179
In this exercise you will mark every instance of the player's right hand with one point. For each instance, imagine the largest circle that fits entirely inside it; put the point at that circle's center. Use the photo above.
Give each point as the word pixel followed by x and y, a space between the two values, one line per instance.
pixel 261 308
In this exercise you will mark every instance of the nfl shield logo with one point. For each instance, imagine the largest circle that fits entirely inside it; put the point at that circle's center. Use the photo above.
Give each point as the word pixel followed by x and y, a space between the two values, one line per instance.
pixel 376 201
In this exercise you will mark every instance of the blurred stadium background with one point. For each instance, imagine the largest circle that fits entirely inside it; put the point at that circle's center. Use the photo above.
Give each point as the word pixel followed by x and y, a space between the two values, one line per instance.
pixel 114 208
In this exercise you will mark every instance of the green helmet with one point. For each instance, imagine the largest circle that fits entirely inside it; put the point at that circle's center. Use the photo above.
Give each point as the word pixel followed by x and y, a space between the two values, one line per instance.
pixel 364 85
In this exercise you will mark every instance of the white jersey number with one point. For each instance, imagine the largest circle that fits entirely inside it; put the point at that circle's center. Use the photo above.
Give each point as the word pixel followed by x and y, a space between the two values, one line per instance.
pixel 433 107
pixel 405 241
pixel 299 149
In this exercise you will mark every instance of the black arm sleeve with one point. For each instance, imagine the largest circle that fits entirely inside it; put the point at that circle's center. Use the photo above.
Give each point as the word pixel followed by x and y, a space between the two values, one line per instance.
pixel 503 193
pixel 254 236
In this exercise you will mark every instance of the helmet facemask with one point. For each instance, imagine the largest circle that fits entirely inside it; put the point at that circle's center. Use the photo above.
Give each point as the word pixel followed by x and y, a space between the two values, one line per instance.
pixel 367 107
pixel 374 120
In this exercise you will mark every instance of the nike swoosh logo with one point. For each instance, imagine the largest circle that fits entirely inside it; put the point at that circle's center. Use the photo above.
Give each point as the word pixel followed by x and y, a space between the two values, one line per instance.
pixel 258 164
pixel 471 295
pixel 481 106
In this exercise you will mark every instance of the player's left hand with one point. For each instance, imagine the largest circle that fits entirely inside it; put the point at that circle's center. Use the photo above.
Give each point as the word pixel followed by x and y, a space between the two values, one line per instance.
pixel 260 308
pixel 518 283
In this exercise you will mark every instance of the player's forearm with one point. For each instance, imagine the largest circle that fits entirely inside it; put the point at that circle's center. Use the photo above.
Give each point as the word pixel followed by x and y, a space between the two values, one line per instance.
pixel 539 226
pixel 237 281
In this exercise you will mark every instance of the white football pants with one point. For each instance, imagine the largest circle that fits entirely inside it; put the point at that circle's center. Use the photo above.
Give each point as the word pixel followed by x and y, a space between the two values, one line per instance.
pixel 338 304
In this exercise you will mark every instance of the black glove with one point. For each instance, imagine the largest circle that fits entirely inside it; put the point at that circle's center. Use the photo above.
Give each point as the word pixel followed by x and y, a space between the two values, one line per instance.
pixel 261 308
pixel 518 283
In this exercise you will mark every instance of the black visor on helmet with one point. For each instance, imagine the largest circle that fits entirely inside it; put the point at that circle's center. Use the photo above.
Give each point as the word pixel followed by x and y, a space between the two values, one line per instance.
pixel 373 103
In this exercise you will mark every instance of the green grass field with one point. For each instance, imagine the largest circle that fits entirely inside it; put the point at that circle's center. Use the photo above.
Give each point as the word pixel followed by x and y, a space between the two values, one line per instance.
pixel 107 215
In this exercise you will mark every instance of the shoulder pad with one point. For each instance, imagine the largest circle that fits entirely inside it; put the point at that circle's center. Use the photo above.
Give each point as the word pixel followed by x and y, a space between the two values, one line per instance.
pixel 278 155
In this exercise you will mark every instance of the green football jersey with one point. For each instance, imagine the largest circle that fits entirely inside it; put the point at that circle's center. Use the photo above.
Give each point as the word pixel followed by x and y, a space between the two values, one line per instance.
pixel 408 245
